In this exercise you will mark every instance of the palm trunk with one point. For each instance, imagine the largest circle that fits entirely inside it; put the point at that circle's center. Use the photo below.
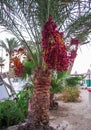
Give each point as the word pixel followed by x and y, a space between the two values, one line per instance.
pixel 53 103
pixel 41 97
pixel 39 118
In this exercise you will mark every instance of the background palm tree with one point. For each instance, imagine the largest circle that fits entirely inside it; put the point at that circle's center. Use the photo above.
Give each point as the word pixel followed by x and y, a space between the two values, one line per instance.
pixel 9 45
pixel 25 19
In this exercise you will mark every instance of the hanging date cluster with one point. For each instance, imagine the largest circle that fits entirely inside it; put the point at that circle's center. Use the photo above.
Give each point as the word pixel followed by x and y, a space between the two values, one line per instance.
pixel 16 61
pixel 73 47
pixel 54 49
pixel 17 66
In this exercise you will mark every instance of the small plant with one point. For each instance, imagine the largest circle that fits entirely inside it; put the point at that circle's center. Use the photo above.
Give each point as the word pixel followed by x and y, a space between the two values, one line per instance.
pixel 56 87
pixel 10 114
pixel 70 94
pixel 22 98
pixel 71 91
pixel 15 111
pixel 73 81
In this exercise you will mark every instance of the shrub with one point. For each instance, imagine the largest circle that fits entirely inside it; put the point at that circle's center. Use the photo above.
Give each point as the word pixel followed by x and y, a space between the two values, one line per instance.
pixel 13 112
pixel 73 81
pixel 70 94
pixel 22 102
pixel 10 114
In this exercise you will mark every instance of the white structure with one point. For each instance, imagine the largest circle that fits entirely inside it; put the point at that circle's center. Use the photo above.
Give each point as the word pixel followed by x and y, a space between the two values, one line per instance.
pixel 4 89
pixel 3 92
pixel 89 98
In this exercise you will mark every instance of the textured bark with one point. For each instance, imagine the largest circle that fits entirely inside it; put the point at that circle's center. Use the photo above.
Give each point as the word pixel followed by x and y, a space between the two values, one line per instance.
pixel 39 117
pixel 41 97
pixel 53 103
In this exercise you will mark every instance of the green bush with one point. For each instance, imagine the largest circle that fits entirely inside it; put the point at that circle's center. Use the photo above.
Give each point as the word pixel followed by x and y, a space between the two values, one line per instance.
pixel 22 99
pixel 70 94
pixel 10 114
pixel 73 81
pixel 57 81
pixel 13 112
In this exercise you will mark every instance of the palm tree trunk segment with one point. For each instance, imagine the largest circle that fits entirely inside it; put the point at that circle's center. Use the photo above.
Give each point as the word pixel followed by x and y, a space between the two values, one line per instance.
pixel 41 97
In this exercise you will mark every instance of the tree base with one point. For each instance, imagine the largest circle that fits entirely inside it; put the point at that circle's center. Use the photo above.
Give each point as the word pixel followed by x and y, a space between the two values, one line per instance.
pixel 53 105
pixel 31 126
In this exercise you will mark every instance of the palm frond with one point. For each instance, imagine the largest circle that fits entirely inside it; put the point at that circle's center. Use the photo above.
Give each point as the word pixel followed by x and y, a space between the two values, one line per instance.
pixel 26 18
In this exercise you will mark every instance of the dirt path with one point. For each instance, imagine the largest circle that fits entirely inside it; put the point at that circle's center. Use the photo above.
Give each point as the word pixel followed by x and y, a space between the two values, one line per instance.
pixel 73 116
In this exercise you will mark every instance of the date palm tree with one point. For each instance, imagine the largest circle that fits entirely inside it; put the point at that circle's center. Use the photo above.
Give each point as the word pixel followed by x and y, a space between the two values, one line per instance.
pixel 25 19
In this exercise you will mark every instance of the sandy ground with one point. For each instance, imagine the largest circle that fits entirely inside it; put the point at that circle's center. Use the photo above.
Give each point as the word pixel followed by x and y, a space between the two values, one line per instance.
pixel 73 116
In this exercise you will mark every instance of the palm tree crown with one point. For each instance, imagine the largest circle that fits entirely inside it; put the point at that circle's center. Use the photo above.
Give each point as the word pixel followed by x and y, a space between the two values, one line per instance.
pixel 9 45
pixel 25 20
